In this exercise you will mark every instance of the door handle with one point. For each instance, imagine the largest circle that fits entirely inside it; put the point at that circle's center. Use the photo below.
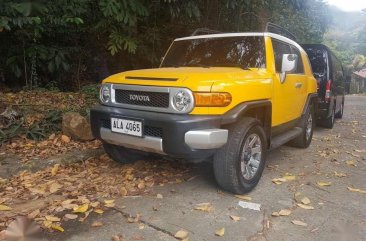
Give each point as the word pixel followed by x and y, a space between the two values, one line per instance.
pixel 298 85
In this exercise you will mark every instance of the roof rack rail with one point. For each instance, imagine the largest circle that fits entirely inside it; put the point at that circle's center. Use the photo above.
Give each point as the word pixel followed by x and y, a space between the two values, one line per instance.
pixel 199 31
pixel 273 28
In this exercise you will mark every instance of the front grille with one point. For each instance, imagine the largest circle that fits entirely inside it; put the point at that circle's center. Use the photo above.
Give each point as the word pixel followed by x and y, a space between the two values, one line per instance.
pixel 148 130
pixel 150 99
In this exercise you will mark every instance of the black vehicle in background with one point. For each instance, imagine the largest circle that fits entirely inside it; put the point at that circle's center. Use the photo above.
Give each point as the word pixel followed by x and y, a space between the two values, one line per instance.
pixel 328 71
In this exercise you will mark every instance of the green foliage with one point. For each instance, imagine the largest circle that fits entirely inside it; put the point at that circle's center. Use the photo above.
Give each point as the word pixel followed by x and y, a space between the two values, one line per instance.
pixel 58 43
pixel 51 123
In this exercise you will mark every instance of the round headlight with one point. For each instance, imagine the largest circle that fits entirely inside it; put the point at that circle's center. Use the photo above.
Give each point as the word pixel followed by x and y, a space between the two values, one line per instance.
pixel 105 94
pixel 182 101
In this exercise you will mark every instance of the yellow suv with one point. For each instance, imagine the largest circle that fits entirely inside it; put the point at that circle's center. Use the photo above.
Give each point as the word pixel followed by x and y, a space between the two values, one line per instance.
pixel 223 97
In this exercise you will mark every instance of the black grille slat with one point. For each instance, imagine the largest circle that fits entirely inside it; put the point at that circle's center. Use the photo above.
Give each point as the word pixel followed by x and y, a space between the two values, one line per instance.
pixel 157 99
pixel 148 130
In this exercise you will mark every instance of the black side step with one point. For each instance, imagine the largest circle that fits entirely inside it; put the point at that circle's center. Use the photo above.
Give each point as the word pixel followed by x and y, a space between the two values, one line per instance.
pixel 285 137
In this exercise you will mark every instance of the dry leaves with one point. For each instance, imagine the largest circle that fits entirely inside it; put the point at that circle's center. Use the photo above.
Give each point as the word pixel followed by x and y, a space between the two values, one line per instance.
pixel 340 174
pixel 181 234
pixel 283 212
pixel 5 208
pixel 287 177
pixel 351 163
pixel 305 200
pixel 97 224
pixel 299 223
pixel 205 207
pixel 220 232
pixel 356 190
pixel 324 184
pixel 244 197
pixel 303 206
pixel 235 218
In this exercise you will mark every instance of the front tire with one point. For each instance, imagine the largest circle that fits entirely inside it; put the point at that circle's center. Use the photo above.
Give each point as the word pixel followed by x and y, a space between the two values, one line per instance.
pixel 121 154
pixel 238 166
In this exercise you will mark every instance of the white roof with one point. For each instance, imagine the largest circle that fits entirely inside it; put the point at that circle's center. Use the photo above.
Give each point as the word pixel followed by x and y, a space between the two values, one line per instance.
pixel 226 35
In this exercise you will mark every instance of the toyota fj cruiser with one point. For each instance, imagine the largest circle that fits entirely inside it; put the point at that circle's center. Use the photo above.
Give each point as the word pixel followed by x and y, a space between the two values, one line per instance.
pixel 223 97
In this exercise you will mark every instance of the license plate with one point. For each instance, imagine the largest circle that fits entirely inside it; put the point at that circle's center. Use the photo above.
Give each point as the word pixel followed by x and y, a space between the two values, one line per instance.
pixel 128 127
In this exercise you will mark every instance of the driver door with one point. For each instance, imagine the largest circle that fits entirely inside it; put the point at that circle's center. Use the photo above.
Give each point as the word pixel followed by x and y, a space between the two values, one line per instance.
pixel 288 95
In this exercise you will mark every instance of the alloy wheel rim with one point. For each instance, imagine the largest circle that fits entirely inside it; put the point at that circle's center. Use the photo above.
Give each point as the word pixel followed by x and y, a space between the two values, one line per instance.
pixel 251 156
pixel 309 127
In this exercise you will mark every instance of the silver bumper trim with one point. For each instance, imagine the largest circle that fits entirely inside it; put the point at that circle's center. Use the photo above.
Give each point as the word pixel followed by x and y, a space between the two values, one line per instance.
pixel 206 139
pixel 147 144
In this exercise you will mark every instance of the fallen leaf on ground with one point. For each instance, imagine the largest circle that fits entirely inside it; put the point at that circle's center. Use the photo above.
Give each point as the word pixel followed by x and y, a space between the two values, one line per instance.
pixel 55 169
pixel 5 208
pixel 278 180
pixel 81 209
pixel 324 184
pixel 99 211
pixel 284 212
pixel 97 224
pixel 71 216
pixel 220 232
pixel 275 214
pixel 340 174
pixel 300 223
pixel 54 187
pixel 235 218
pixel 65 139
pixel 305 200
pixel 356 190
pixel 58 228
pixel 52 219
pixel 108 201
pixel 181 234
pixel 308 207
pixel 116 238
pixel 351 163
pixel 159 196
pixel 205 207
pixel 289 177
pixel 243 197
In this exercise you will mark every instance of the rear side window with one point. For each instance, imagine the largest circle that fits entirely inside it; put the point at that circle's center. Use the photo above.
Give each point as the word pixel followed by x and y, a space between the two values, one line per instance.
pixel 318 58
pixel 280 48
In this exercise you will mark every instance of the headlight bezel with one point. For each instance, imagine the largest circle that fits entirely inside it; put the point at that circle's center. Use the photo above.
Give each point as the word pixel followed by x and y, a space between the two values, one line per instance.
pixel 176 96
pixel 105 90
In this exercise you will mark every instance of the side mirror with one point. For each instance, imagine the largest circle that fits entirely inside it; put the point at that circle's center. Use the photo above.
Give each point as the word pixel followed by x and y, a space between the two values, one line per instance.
pixel 289 65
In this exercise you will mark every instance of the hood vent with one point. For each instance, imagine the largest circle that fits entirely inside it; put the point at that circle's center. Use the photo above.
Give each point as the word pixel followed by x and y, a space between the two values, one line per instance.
pixel 151 78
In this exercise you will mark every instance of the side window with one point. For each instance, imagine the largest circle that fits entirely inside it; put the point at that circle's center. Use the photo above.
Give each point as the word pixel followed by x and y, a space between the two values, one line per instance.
pixel 279 49
pixel 300 64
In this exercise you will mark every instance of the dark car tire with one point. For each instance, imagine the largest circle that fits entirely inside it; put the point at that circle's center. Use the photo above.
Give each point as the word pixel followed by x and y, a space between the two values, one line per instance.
pixel 227 164
pixel 329 121
pixel 339 114
pixel 121 154
pixel 307 126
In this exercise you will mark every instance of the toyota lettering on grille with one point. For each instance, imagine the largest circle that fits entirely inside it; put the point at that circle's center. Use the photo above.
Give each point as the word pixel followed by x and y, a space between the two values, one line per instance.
pixel 140 98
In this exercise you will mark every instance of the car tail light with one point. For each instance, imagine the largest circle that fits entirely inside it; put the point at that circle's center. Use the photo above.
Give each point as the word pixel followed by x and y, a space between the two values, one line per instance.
pixel 328 87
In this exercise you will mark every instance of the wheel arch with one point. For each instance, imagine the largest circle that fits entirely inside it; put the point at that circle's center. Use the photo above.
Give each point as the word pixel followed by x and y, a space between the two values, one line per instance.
pixel 260 110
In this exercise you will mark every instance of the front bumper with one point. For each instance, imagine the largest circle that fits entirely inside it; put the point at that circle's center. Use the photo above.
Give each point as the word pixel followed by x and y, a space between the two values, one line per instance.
pixel 180 136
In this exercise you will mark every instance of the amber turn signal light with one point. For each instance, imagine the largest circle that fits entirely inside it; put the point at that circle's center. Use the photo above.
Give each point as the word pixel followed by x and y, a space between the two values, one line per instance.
pixel 209 99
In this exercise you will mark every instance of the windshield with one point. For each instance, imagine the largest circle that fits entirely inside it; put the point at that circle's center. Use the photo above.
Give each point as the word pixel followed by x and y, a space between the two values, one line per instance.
pixel 243 51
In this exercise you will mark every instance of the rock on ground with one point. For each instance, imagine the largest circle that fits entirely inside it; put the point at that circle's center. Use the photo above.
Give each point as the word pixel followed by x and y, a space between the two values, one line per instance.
pixel 76 126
